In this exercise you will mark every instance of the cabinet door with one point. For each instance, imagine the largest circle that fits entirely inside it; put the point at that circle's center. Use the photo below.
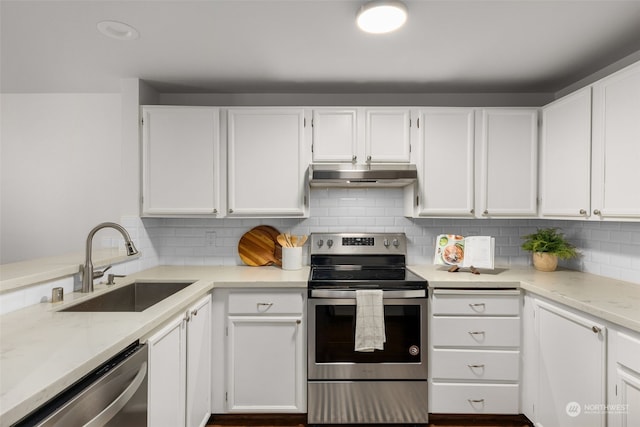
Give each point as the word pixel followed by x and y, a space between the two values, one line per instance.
pixel 267 162
pixel 446 163
pixel 266 364
pixel 616 146
pixel 509 162
pixel 565 164
pixel 180 161
pixel 628 389
pixel 198 384
pixel 167 369
pixel 571 368
pixel 387 135
pixel 625 379
pixel 335 135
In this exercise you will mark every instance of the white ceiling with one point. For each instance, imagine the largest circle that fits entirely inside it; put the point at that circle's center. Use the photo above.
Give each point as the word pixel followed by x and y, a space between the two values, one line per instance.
pixel 313 45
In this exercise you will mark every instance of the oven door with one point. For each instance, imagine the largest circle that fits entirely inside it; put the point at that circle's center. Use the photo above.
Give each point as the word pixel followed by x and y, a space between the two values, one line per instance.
pixel 331 335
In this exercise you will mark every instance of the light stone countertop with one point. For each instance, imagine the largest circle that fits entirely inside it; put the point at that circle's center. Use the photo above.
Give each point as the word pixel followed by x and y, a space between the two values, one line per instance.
pixel 43 351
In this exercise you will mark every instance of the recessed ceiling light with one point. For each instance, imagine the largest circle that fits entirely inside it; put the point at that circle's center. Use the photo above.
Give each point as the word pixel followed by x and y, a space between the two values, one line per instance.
pixel 118 30
pixel 380 17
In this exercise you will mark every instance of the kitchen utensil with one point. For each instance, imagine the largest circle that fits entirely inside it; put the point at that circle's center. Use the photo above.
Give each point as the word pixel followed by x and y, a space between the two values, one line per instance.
pixel 257 247
pixel 283 241
pixel 302 240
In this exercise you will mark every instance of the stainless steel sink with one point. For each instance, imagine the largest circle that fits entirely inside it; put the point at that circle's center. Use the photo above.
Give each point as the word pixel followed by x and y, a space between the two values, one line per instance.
pixel 137 296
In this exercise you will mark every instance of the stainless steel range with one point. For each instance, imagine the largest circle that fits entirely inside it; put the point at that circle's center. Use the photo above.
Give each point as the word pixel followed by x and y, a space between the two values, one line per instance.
pixel 349 386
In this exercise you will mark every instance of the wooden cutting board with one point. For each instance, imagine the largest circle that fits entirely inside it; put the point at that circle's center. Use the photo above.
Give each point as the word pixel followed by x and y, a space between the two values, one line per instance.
pixel 257 247
pixel 273 232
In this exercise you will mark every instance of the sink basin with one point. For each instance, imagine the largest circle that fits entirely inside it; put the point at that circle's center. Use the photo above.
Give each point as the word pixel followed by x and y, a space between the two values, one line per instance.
pixel 137 296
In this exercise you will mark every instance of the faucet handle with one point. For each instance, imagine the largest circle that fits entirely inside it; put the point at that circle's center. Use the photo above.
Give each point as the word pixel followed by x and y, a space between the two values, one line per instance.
pixel 100 273
pixel 110 278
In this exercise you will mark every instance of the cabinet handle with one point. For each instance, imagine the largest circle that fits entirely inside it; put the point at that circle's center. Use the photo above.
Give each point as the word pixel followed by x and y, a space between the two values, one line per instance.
pixel 368 158
pixel 472 211
pixel 264 306
pixel 477 304
pixel 215 211
pixel 476 366
pixel 486 212
pixel 596 330
pixel 476 332
pixel 194 312
pixel 476 400
pixel 354 159
pixel 597 212
pixel 298 321
pixel 230 210
pixel 583 212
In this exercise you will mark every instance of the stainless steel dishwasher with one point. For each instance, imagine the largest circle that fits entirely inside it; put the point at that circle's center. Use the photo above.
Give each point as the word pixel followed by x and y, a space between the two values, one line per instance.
pixel 114 394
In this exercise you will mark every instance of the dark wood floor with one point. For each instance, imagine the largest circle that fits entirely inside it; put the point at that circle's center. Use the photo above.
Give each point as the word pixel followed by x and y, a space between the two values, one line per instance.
pixel 276 420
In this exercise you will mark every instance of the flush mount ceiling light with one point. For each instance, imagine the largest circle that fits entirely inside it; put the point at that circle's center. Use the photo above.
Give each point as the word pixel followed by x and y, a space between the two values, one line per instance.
pixel 118 30
pixel 381 17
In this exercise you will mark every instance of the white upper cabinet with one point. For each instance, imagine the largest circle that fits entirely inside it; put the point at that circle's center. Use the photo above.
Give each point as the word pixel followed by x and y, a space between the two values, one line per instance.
pixel 180 161
pixel 446 162
pixel 335 133
pixel 508 162
pixel 616 145
pixel 362 135
pixel 387 135
pixel 267 162
pixel 565 156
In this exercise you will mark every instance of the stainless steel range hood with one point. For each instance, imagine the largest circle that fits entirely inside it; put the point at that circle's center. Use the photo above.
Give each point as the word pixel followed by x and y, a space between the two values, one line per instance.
pixel 350 175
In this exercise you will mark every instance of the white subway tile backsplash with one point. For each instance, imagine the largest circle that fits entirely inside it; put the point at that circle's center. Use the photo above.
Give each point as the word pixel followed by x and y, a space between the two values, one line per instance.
pixel 611 249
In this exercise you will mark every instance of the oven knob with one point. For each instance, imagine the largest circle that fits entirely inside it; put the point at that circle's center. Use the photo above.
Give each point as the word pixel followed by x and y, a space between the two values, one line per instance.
pixel 396 243
pixel 320 243
pixel 385 242
pixel 329 243
pixel 414 350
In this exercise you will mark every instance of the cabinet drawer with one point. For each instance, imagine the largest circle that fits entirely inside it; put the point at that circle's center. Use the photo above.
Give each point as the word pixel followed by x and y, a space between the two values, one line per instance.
pixel 475 364
pixel 453 398
pixel 628 351
pixel 266 303
pixel 475 331
pixel 476 303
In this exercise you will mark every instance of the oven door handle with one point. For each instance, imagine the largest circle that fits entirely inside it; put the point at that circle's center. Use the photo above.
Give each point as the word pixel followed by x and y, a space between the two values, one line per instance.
pixel 351 294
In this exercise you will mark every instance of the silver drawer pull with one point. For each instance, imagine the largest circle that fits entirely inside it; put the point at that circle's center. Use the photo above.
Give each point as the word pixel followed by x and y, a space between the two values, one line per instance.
pixel 479 306
pixel 476 366
pixel 264 305
pixel 596 329
pixel 472 401
pixel 476 332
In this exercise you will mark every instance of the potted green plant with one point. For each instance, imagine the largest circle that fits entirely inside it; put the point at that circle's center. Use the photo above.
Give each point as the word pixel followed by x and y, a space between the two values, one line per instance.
pixel 547 245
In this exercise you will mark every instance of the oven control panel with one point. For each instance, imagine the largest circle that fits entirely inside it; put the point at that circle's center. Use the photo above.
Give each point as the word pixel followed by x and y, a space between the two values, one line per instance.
pixel 358 243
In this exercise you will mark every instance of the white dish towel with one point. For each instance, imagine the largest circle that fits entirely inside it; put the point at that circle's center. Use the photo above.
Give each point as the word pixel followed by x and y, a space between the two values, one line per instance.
pixel 370 334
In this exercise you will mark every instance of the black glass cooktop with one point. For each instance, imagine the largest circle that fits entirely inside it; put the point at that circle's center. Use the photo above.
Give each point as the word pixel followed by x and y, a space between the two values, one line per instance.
pixel 343 273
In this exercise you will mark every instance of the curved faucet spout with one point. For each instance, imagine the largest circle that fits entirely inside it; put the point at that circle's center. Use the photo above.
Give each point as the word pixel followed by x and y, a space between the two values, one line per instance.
pixel 87 271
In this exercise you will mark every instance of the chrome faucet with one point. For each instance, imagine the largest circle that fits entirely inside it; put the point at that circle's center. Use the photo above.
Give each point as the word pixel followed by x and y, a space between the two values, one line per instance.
pixel 87 271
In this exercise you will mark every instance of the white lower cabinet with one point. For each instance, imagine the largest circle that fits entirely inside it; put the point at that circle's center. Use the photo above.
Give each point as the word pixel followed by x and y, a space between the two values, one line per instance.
pixel 566 367
pixel 474 359
pixel 623 409
pixel 265 364
pixel 180 369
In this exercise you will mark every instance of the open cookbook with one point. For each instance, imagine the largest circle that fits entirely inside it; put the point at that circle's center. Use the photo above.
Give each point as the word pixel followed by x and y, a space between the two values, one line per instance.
pixel 471 251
